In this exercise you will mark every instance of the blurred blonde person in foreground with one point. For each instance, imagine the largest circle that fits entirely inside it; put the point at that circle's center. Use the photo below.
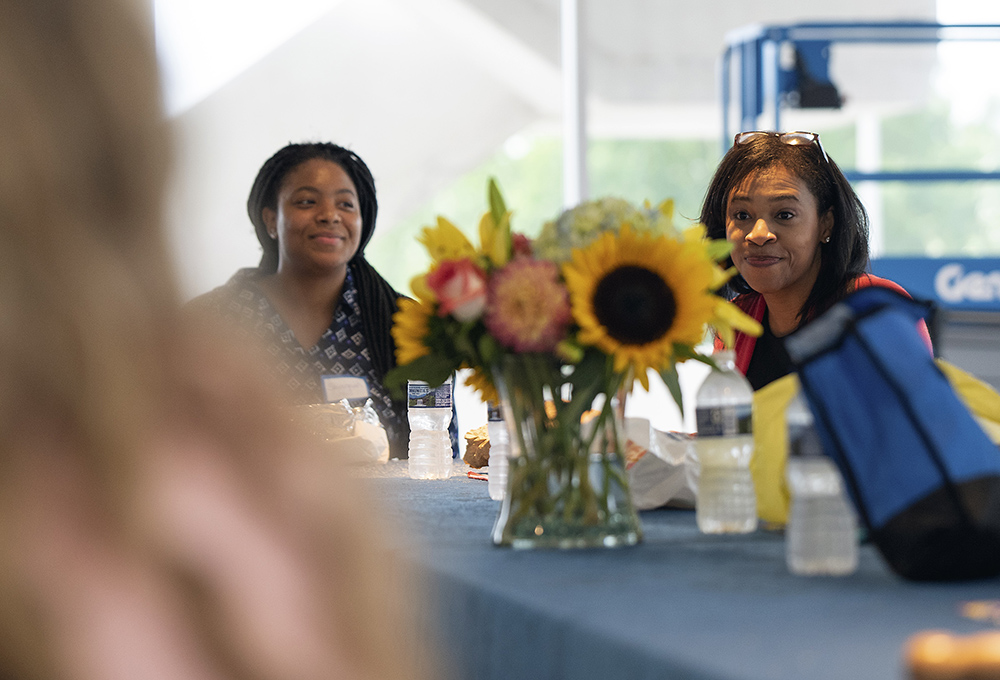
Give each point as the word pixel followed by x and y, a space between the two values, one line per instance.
pixel 157 519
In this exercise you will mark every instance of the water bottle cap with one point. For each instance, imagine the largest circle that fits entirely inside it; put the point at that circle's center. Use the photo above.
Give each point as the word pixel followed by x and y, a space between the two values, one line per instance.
pixel 813 476
pixel 724 357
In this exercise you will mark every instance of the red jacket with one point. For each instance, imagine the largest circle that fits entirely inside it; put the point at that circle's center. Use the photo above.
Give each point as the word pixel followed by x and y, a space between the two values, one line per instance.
pixel 753 305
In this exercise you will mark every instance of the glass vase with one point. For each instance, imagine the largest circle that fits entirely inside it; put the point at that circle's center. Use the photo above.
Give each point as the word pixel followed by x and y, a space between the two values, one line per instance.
pixel 566 483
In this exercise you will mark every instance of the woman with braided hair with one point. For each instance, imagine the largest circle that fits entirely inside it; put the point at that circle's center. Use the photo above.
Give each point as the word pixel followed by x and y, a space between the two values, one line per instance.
pixel 314 300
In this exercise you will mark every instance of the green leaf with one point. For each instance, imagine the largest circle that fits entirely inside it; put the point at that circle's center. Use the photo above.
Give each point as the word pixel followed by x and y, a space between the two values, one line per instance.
pixel 498 209
pixel 673 383
pixel 719 249
pixel 430 368
pixel 440 338
pixel 501 249
pixel 570 351
pixel 589 378
pixel 465 345
pixel 684 352
pixel 490 350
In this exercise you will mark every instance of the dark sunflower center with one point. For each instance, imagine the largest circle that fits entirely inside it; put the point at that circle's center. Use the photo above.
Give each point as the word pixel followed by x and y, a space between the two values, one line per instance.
pixel 634 304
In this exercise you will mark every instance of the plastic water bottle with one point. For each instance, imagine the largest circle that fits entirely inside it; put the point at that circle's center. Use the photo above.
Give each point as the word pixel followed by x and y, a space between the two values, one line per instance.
pixel 429 412
pixel 821 537
pixel 726 502
pixel 499 451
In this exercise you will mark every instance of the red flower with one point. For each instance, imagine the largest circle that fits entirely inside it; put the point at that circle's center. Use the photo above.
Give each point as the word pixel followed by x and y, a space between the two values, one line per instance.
pixel 520 245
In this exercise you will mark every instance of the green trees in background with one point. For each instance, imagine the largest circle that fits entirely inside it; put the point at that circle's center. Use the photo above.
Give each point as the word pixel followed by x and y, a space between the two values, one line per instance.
pixel 942 218
pixel 919 219
pixel 532 185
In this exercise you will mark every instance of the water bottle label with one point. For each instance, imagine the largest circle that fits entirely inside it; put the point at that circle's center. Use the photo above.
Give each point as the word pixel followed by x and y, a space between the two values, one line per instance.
pixel 421 395
pixel 493 412
pixel 724 421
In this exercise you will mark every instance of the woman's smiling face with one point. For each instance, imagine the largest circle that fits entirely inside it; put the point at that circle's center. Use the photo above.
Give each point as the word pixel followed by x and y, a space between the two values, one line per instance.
pixel 773 222
pixel 318 220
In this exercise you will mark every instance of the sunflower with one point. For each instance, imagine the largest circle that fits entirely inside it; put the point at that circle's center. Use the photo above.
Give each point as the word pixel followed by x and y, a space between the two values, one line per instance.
pixel 410 328
pixel 480 381
pixel 727 318
pixel 635 295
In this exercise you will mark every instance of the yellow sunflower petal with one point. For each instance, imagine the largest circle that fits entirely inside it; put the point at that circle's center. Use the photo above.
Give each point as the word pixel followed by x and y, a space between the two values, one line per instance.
pixel 643 379
pixel 720 276
pixel 694 233
pixel 727 335
pixel 410 328
pixel 479 381
pixel 728 318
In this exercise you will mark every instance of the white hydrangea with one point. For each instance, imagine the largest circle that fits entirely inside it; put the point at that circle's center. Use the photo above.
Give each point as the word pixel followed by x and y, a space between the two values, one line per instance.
pixel 579 226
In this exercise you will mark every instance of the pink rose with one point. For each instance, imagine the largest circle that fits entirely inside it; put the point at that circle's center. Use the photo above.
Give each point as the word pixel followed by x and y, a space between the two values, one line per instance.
pixel 460 288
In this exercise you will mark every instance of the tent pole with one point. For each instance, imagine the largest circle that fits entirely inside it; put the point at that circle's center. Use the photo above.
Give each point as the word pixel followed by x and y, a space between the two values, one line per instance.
pixel 575 187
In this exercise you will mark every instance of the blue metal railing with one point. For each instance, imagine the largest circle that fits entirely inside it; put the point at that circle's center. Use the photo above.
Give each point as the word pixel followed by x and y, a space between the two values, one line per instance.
pixel 757 47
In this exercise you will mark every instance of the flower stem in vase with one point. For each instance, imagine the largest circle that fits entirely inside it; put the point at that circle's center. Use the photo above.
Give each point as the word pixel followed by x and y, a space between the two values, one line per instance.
pixel 567 486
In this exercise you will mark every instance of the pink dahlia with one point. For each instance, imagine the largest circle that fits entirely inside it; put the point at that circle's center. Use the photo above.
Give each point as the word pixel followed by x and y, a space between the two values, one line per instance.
pixel 527 306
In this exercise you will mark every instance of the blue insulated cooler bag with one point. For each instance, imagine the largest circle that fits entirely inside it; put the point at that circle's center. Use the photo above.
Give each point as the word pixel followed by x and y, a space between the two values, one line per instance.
pixel 923 475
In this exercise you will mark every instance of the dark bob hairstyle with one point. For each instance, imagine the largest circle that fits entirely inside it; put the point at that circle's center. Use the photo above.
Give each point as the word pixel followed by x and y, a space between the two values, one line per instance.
pixel 844 258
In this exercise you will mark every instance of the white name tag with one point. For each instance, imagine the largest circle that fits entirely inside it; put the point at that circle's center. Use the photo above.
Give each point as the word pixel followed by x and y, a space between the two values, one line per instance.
pixel 337 387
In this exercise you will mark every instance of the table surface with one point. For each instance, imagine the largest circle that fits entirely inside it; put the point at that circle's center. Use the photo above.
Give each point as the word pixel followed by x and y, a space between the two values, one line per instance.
pixel 679 605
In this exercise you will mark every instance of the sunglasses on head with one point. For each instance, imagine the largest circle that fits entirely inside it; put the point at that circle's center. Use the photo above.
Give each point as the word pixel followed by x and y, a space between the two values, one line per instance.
pixel 794 138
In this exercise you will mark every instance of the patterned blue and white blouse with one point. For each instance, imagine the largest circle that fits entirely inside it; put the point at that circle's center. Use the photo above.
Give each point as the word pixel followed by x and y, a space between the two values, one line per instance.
pixel 342 349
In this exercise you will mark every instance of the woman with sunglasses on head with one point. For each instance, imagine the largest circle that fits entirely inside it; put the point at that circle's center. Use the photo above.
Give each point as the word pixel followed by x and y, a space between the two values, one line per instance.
pixel 800 240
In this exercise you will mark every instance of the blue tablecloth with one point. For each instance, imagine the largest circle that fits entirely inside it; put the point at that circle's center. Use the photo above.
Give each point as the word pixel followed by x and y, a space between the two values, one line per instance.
pixel 679 605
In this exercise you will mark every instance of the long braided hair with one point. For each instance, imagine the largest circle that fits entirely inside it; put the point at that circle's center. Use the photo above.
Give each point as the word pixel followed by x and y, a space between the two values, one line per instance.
pixel 376 297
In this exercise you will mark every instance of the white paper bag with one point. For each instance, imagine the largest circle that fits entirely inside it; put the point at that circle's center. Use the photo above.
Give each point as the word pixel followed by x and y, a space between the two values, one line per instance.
pixel 660 476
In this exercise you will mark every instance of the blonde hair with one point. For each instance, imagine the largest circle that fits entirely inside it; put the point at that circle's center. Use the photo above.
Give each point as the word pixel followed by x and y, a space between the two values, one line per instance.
pixel 119 416
pixel 83 266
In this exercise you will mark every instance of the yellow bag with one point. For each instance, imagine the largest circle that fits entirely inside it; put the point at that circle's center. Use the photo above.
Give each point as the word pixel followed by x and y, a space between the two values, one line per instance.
pixel 770 449
pixel 771 440
pixel 979 397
